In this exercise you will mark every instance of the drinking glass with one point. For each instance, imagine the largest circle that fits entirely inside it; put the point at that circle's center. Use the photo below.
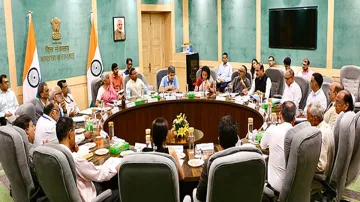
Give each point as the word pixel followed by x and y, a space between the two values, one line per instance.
pixel 229 89
pixel 198 153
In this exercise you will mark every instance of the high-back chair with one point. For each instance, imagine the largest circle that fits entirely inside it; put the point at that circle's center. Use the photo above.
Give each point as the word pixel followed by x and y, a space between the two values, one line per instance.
pixel 354 165
pixel 95 85
pixel 326 87
pixel 27 108
pixel 159 75
pixel 290 136
pixel 243 170
pixel 302 162
pixel 149 177
pixel 328 79
pixel 277 79
pixel 57 175
pixel 350 77
pixel 304 85
pixel 344 136
pixel 14 160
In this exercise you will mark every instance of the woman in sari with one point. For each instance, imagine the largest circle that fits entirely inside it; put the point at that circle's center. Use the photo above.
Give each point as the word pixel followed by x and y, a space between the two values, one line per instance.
pixel 106 92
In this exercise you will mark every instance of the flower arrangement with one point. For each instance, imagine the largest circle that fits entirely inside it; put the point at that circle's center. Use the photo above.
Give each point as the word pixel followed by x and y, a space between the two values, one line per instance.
pixel 180 125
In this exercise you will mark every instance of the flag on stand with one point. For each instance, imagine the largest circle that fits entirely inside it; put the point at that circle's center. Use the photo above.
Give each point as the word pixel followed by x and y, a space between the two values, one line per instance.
pixel 31 75
pixel 94 65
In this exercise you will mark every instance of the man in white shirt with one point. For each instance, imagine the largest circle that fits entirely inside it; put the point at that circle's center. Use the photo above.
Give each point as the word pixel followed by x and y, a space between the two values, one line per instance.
pixel 71 105
pixel 274 140
pixel 86 172
pixel 224 73
pixel 261 83
pixel 316 94
pixel 46 125
pixel 315 115
pixel 330 112
pixel 271 61
pixel 134 85
pixel 8 101
pixel 306 73
pixel 292 91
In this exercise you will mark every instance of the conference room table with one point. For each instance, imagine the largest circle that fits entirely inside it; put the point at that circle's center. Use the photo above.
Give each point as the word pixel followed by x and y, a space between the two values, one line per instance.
pixel 203 114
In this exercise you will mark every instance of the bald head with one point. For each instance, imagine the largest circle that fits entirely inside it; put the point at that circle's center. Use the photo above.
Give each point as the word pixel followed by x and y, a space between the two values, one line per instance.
pixel 335 88
pixel 289 77
pixel 56 94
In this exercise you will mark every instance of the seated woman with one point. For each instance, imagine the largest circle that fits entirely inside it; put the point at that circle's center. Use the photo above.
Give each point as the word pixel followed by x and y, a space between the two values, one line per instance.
pixel 106 92
pixel 205 81
pixel 159 132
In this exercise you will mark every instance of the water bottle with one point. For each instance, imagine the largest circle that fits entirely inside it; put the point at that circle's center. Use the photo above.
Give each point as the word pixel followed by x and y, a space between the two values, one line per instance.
pixel 250 129
pixel 191 140
pixel 111 129
pixel 147 138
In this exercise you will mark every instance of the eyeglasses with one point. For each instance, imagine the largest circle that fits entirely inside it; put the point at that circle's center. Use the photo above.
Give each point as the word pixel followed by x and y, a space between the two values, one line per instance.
pixel 287 78
pixel 58 110
pixel 58 93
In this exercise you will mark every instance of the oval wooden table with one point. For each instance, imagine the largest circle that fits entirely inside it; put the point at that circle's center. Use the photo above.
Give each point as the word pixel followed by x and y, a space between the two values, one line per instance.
pixel 203 114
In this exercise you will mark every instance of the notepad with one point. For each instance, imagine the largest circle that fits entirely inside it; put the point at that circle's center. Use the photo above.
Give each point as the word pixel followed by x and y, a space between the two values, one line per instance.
pixel 177 148
pixel 112 162
pixel 78 119
pixel 205 146
pixel 139 146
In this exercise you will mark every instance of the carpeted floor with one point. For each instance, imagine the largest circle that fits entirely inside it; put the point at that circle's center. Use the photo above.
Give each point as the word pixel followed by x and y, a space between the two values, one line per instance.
pixel 351 193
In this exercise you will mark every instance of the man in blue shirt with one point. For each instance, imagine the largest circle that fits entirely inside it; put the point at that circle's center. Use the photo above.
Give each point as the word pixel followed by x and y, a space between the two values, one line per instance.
pixel 224 73
pixel 170 82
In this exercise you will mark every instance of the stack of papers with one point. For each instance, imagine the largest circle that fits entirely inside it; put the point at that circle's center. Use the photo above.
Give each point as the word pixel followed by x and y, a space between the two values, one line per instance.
pixel 78 119
pixel 177 148
pixel 205 146
pixel 139 146
pixel 112 162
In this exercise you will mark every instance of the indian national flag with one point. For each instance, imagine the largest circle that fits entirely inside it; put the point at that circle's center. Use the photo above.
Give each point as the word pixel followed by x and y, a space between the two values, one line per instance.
pixel 94 65
pixel 31 75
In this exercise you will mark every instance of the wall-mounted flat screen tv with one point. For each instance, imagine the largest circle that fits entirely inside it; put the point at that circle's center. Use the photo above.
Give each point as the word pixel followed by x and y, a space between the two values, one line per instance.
pixel 293 28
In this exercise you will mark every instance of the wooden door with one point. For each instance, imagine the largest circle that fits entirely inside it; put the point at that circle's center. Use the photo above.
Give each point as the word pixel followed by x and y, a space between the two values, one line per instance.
pixel 153 45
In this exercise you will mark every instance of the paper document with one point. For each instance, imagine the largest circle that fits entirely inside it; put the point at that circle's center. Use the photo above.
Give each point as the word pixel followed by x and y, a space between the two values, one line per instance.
pixel 205 146
pixel 177 148
pixel 78 119
pixel 139 146
pixel 112 162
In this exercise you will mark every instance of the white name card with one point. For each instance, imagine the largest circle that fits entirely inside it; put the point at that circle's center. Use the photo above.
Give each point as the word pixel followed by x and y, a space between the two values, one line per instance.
pixel 170 97
pixel 105 116
pixel 252 105
pixel 115 110
pixel 130 104
pixel 220 98
pixel 240 102
pixel 262 111
pixel 151 100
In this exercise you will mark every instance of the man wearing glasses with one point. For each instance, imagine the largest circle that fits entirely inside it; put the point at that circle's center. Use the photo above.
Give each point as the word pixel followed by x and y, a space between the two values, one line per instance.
pixel 46 125
pixel 241 84
pixel 57 95
pixel 344 102
pixel 71 106
pixel 292 91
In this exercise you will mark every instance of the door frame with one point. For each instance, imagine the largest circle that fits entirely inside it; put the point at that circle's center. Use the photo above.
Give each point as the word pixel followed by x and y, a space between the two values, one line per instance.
pixel 169 29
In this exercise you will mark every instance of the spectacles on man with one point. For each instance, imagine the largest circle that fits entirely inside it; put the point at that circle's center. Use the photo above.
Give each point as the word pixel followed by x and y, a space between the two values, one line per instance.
pixel 58 110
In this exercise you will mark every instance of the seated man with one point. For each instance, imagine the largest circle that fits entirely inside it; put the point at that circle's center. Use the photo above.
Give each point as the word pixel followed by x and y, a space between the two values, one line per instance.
pixel 271 61
pixel 135 86
pixel 261 83
pixel 274 140
pixel 344 102
pixel 241 83
pixel 316 94
pixel 330 112
pixel 24 122
pixel 228 137
pixel 315 115
pixel 170 82
pixel 287 63
pixel 292 91
pixel 8 101
pixel 224 73
pixel 57 95
pixel 128 66
pixel 46 125
pixel 43 93
pixel 116 79
pixel 86 172
pixel 71 106
pixel 306 73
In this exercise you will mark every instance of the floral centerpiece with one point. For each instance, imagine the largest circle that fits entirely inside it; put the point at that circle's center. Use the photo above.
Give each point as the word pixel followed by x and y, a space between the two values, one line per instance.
pixel 180 125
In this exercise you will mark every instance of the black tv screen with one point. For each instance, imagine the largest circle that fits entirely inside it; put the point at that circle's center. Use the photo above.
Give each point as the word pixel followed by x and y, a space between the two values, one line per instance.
pixel 293 28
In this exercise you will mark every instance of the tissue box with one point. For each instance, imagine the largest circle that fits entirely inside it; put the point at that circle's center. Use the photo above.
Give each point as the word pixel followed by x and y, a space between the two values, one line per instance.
pixel 117 148
pixel 139 102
